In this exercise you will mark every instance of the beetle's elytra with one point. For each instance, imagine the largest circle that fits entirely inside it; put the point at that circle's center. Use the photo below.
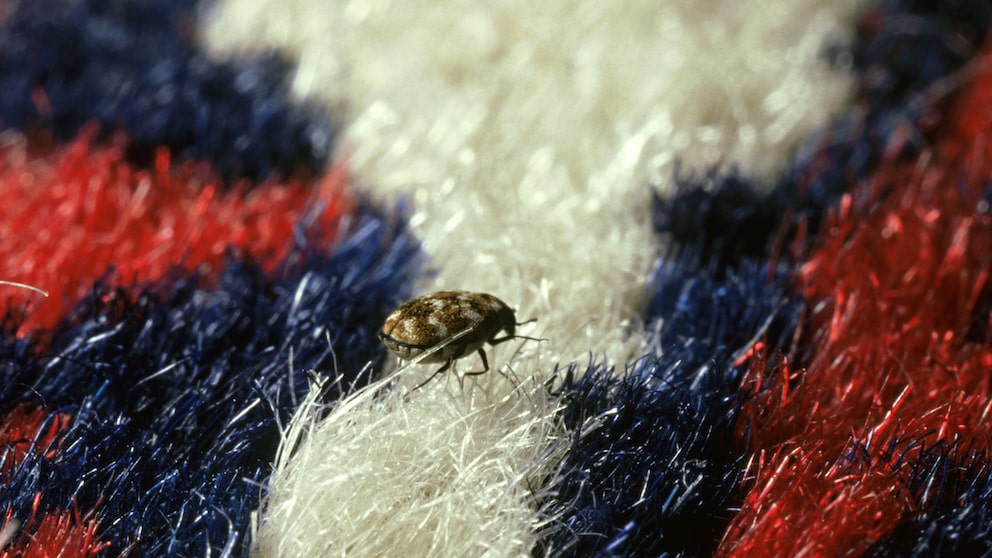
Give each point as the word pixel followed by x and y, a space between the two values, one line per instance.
pixel 433 322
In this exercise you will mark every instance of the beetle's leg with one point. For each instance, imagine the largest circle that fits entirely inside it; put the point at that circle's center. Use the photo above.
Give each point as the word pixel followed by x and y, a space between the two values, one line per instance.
pixel 485 364
pixel 446 366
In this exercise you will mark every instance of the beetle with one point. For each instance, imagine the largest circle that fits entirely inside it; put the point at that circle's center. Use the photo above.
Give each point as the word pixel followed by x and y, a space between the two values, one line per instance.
pixel 448 325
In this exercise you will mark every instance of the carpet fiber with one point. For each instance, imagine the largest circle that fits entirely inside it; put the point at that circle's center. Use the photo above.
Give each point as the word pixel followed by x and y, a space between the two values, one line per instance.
pixel 756 238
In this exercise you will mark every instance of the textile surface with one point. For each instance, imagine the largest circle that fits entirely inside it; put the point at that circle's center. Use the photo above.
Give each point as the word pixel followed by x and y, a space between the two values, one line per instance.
pixel 748 247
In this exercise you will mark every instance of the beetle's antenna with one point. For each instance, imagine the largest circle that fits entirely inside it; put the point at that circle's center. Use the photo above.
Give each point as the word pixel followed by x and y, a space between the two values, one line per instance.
pixel 495 342
pixel 530 338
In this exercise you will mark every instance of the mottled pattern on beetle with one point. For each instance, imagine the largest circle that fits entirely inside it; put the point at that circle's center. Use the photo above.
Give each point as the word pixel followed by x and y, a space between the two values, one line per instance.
pixel 429 321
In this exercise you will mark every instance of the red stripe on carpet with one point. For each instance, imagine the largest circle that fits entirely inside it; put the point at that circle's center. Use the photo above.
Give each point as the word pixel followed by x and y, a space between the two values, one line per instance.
pixel 65 217
pixel 65 534
pixel 25 430
pixel 896 286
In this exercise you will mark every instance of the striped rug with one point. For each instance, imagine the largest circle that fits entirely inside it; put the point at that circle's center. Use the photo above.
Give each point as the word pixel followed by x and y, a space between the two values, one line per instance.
pixel 756 238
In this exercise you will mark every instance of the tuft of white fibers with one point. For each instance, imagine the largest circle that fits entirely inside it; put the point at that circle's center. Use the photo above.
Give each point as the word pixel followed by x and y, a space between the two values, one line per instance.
pixel 526 135
pixel 364 477
pixel 525 131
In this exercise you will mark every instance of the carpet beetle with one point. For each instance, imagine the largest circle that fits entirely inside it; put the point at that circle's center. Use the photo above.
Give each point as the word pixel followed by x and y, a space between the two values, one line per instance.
pixel 448 325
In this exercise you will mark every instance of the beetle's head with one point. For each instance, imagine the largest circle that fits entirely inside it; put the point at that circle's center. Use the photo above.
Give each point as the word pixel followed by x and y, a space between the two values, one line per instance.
pixel 507 320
